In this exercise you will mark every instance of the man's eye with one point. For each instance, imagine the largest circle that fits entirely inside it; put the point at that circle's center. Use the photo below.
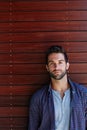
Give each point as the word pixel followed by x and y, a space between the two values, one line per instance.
pixel 51 64
pixel 60 62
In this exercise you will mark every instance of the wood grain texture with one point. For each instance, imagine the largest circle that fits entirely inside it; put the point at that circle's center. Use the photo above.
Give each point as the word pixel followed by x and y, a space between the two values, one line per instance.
pixel 27 30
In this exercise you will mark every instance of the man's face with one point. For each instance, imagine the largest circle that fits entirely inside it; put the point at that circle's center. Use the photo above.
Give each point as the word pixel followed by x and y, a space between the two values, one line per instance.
pixel 57 66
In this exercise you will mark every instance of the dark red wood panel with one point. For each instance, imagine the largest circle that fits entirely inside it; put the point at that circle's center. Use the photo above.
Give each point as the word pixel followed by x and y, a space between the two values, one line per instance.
pixel 4 79
pixel 22 90
pixel 77 15
pixel 78 57
pixel 44 16
pixel 81 78
pixel 13 112
pixel 39 16
pixel 4 46
pixel 77 5
pixel 45 37
pixel 78 68
pixel 5 122
pixel 14 100
pixel 4 69
pixel 5 37
pixel 27 29
pixel 29 79
pixel 28 58
pixel 4 57
pixel 5 16
pixel 40 5
pixel 43 46
pixel 38 69
pixel 45 26
pixel 40 26
pixel 49 5
pixel 39 58
pixel 13 128
pixel 4 27
pixel 41 79
pixel 4 5
pixel 77 25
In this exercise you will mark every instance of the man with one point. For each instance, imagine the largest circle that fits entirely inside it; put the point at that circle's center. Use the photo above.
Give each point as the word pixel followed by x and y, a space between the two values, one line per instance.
pixel 61 105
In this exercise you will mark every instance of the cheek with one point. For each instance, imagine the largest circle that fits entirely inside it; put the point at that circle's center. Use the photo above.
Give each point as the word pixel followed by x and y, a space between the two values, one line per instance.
pixel 49 69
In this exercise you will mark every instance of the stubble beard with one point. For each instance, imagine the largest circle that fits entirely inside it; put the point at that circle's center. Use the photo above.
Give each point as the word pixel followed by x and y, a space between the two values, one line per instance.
pixel 58 77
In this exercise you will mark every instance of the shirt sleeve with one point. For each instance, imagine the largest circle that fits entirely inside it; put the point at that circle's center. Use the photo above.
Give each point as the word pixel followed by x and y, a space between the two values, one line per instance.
pixel 34 114
pixel 85 99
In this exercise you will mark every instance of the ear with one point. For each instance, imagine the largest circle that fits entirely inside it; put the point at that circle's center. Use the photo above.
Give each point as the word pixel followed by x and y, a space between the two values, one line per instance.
pixel 67 65
pixel 47 68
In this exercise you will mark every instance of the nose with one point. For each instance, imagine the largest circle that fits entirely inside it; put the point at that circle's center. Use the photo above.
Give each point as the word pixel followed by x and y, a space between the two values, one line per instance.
pixel 56 66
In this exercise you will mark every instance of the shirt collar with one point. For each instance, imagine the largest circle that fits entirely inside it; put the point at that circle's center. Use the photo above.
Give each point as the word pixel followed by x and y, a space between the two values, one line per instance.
pixel 72 87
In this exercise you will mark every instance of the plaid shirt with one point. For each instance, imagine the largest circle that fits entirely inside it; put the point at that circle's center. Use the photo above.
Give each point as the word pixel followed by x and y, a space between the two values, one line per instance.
pixel 41 110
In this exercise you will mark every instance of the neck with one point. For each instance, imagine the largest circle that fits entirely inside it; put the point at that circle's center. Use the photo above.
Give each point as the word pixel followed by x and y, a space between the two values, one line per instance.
pixel 60 85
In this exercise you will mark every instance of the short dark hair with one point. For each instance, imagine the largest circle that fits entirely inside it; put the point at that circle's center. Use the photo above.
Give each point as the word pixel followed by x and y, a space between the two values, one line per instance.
pixel 56 49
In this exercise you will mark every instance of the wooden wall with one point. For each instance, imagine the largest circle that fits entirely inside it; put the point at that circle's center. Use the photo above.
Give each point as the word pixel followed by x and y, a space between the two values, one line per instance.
pixel 27 29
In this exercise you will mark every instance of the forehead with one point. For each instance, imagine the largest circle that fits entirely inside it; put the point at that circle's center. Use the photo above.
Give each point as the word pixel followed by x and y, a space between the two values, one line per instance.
pixel 56 56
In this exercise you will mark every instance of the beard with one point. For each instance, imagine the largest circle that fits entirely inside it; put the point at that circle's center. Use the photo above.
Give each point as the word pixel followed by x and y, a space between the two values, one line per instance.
pixel 59 76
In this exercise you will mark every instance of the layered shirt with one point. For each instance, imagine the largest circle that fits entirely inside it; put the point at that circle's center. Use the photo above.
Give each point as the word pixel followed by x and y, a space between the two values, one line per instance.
pixel 42 110
pixel 61 110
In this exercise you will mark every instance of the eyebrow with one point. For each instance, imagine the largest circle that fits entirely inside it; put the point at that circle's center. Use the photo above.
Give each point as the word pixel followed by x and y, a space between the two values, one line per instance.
pixel 52 60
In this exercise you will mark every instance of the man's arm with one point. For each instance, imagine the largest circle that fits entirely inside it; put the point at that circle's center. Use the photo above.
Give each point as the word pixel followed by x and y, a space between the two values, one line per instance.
pixel 34 114
pixel 85 101
pixel 86 111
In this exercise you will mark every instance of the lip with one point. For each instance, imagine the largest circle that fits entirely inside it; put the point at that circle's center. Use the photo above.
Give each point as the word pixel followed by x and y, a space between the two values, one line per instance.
pixel 57 72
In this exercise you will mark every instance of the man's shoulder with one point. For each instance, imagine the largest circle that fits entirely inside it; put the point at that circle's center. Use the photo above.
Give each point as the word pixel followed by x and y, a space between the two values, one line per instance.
pixel 40 93
pixel 80 87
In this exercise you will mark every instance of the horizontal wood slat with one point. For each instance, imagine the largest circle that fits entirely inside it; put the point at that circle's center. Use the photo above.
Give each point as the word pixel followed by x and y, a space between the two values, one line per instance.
pixel 32 16
pixel 50 5
pixel 43 26
pixel 40 47
pixel 43 5
pixel 20 90
pixel 13 128
pixel 5 16
pixel 38 69
pixel 4 5
pixel 4 58
pixel 78 68
pixel 40 57
pixel 4 69
pixel 4 79
pixel 39 5
pixel 13 112
pixel 34 79
pixel 5 47
pixel 5 37
pixel 44 37
pixel 41 79
pixel 4 27
pixel 43 16
pixel 16 122
pixel 13 101
pixel 77 57
pixel 38 16
pixel 17 58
